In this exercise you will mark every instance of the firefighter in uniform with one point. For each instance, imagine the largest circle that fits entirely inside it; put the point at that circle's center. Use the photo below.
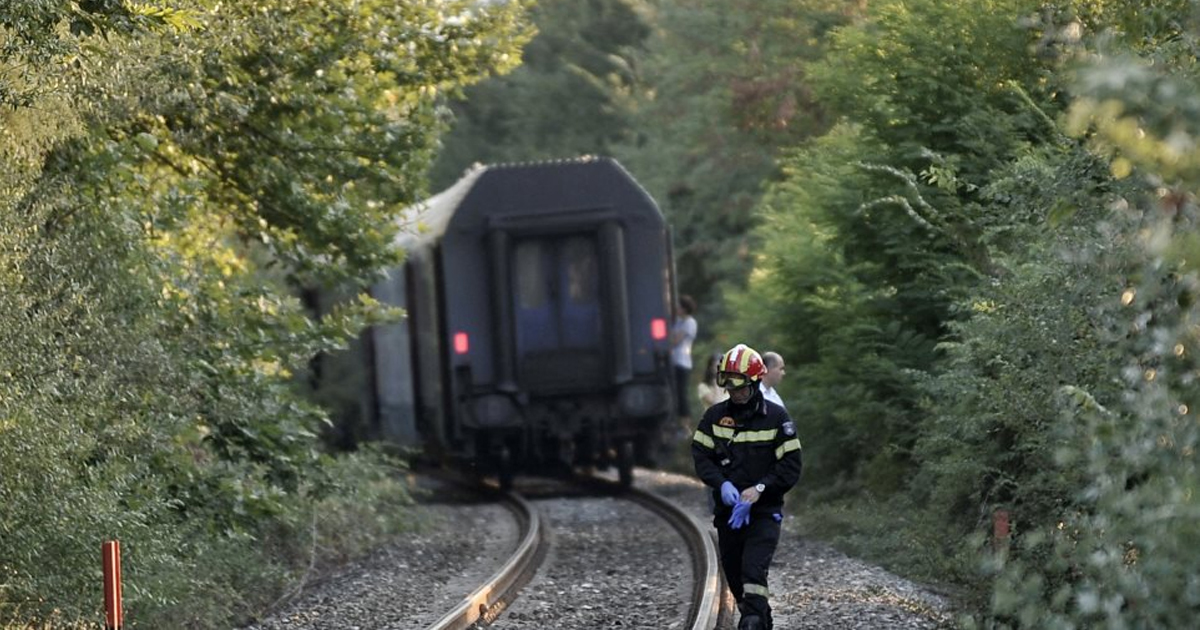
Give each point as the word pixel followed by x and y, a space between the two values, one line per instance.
pixel 745 448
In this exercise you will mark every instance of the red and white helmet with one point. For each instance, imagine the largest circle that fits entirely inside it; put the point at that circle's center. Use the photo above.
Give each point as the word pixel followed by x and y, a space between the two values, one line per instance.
pixel 739 367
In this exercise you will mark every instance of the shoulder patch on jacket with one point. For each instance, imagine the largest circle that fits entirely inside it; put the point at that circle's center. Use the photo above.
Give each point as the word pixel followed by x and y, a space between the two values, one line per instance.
pixel 789 428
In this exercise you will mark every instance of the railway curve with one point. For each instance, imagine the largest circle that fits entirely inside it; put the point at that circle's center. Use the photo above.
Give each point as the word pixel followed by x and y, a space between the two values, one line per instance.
pixel 414 582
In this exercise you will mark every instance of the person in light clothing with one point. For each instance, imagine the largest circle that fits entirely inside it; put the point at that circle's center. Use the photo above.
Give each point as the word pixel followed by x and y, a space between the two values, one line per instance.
pixel 683 334
pixel 707 390
pixel 775 372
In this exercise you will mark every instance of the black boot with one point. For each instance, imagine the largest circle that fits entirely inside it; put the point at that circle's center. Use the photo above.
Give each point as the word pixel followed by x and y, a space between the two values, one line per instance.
pixel 751 622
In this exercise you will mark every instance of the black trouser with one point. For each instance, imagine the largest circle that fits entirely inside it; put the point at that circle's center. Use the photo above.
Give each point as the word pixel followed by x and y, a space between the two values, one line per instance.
pixel 683 392
pixel 746 558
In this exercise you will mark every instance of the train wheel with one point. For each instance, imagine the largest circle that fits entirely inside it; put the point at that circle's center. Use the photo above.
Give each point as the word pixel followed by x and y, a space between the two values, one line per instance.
pixel 506 472
pixel 625 463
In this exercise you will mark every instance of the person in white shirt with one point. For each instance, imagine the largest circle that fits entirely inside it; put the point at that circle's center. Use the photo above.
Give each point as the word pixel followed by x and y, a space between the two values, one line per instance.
pixel 683 334
pixel 775 372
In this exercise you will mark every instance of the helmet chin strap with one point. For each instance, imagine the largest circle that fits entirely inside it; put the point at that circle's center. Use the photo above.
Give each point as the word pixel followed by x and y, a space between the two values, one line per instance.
pixel 741 411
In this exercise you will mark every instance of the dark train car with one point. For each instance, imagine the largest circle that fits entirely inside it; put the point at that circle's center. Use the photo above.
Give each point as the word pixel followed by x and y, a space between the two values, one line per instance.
pixel 539 298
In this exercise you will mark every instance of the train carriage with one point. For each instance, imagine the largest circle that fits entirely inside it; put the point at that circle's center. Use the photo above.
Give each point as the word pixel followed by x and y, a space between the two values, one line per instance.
pixel 539 298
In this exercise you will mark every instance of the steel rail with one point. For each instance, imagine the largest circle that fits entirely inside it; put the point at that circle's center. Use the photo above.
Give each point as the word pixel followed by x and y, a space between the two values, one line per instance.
pixel 489 599
pixel 708 587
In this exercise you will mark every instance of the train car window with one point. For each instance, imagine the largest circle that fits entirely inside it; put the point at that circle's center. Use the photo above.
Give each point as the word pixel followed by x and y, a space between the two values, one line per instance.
pixel 558 317
pixel 531 291
pixel 580 317
pixel 580 262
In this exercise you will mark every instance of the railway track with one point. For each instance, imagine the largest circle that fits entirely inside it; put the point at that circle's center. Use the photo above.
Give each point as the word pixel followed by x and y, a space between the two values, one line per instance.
pixel 487 604
pixel 488 599
pixel 605 560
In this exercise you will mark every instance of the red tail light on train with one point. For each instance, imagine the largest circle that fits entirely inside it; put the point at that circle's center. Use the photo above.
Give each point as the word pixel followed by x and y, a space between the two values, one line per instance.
pixel 462 343
pixel 658 328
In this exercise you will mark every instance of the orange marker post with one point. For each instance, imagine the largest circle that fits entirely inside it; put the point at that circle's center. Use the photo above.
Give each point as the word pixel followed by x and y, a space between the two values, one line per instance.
pixel 111 552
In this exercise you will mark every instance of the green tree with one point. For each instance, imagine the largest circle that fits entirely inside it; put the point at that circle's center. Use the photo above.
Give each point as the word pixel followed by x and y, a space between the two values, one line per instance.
pixel 934 98
pixel 161 202
pixel 1123 554
pixel 856 355
pixel 1059 385
pixel 995 401
pixel 726 86
pixel 571 96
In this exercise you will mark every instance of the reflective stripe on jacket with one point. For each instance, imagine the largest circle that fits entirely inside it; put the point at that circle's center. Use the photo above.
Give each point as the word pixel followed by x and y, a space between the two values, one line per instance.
pixel 760 446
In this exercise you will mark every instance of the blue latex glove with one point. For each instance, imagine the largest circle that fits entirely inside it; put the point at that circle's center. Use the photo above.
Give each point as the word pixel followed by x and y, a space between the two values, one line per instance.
pixel 729 493
pixel 741 515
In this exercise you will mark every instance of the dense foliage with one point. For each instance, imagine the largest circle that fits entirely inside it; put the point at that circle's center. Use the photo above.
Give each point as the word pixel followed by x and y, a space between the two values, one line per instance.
pixel 988 258
pixel 969 227
pixel 695 97
pixel 922 132
pixel 1122 555
pixel 571 96
pixel 172 175
pixel 724 88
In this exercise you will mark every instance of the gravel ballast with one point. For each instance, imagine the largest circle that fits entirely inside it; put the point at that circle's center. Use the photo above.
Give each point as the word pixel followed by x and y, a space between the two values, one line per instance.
pixel 815 586
pixel 410 583
pixel 605 569
pixel 611 564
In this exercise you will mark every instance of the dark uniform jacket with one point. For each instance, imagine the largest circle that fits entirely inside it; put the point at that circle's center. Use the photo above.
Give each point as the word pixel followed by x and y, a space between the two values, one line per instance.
pixel 748 444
